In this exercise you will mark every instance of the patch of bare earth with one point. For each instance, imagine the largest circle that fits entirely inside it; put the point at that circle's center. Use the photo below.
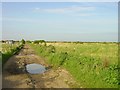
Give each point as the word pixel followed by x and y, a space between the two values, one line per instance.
pixel 15 75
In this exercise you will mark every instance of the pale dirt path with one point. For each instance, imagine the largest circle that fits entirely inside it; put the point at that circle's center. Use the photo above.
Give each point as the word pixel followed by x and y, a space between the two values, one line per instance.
pixel 15 77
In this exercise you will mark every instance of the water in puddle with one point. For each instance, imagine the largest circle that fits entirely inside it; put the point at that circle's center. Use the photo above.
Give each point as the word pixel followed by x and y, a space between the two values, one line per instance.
pixel 35 68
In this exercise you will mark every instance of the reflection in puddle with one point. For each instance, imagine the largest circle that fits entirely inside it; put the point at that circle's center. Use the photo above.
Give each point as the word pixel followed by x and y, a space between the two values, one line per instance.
pixel 35 68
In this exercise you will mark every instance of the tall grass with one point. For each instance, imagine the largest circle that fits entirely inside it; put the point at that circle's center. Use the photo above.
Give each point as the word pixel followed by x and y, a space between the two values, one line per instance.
pixel 93 65
pixel 9 50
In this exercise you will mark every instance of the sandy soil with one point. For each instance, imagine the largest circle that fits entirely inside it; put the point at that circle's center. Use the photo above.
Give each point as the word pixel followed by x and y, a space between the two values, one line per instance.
pixel 15 75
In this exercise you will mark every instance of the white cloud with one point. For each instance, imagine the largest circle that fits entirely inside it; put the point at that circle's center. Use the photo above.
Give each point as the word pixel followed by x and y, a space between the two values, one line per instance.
pixel 66 10
pixel 54 10
pixel 37 8
pixel 83 8
pixel 73 10
pixel 83 14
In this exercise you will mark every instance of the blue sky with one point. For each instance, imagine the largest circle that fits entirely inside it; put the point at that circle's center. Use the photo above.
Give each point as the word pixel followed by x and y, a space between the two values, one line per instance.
pixel 60 21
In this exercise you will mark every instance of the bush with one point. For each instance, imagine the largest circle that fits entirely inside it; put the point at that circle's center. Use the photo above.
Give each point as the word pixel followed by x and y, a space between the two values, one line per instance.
pixel 40 41
pixel 50 49
pixel 63 56
pixel 23 41
pixel 28 41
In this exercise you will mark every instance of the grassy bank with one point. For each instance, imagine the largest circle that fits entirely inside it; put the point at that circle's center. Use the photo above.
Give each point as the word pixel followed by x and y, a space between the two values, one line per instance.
pixel 8 51
pixel 93 65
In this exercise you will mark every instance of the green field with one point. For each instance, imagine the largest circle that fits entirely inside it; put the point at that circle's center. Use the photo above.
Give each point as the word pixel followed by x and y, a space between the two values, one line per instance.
pixel 93 65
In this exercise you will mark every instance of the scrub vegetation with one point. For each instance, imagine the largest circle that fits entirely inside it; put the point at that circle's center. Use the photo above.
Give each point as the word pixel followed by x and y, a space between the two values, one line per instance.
pixel 9 50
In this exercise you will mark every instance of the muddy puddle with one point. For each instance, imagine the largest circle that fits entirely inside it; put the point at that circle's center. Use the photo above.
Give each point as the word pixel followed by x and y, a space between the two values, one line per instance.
pixel 35 68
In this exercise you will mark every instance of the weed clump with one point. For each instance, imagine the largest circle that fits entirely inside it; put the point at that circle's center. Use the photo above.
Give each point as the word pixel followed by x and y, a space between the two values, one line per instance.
pixel 50 49
pixel 63 56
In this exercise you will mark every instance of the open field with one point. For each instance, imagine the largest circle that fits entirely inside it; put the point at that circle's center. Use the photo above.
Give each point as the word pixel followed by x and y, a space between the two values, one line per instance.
pixel 76 64
pixel 93 65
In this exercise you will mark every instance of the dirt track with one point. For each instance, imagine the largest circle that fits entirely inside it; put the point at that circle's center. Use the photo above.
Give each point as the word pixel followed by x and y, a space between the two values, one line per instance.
pixel 15 77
